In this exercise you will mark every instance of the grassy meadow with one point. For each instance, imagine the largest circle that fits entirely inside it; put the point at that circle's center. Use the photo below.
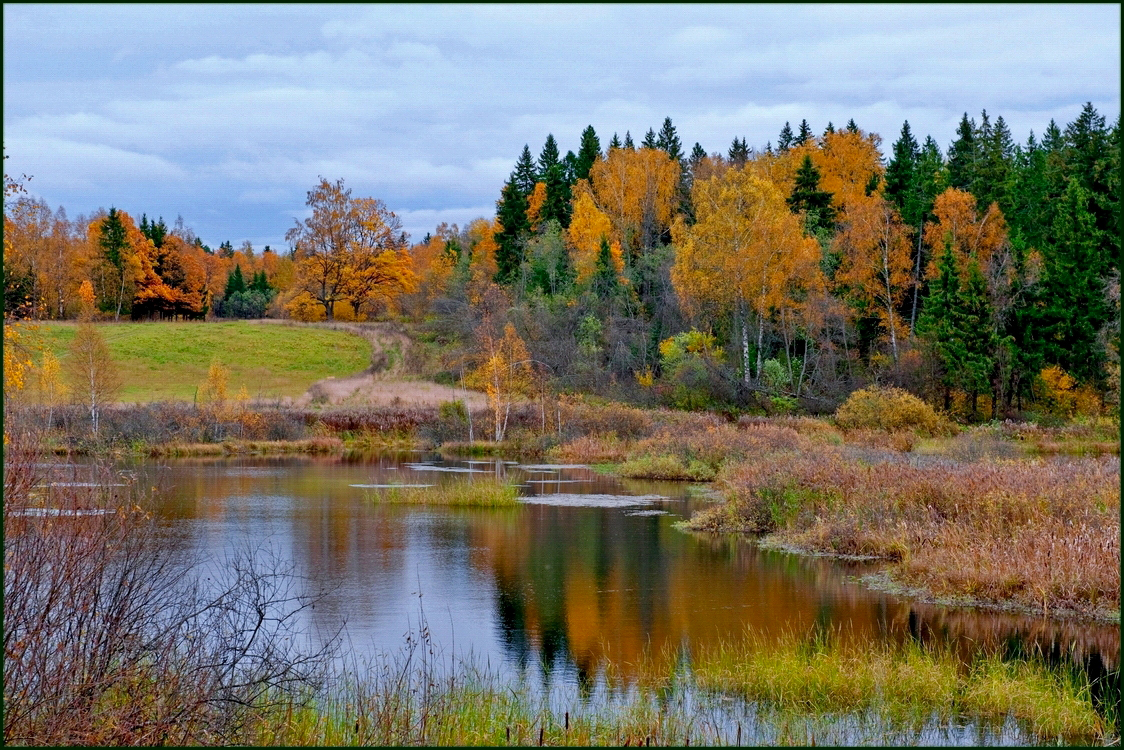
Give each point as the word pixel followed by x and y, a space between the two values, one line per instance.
pixel 168 361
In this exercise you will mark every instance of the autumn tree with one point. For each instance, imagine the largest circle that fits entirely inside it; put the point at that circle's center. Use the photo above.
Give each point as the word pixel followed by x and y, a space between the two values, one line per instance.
pixel 588 228
pixel 91 372
pixel 875 267
pixel 637 190
pixel 349 249
pixel 120 265
pixel 504 374
pixel 746 256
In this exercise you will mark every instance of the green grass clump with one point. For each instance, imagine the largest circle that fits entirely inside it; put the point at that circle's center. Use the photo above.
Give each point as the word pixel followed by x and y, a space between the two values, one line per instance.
pixel 822 674
pixel 168 361
pixel 486 493
pixel 667 467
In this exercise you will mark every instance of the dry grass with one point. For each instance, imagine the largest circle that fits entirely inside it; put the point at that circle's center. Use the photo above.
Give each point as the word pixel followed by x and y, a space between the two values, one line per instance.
pixel 479 492
pixel 1041 534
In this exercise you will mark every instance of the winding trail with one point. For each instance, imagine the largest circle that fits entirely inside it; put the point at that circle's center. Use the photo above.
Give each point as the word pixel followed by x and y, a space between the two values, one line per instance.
pixel 385 382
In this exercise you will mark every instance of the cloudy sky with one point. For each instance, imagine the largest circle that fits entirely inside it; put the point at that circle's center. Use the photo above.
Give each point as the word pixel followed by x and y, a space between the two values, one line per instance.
pixel 227 115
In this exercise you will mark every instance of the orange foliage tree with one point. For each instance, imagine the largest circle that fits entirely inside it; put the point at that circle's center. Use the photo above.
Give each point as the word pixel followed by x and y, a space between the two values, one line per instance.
pixel 875 268
pixel 972 236
pixel 350 249
pixel 587 228
pixel 746 253
pixel 637 190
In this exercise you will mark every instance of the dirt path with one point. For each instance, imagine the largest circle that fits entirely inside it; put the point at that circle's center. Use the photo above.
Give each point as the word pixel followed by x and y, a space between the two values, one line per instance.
pixel 385 383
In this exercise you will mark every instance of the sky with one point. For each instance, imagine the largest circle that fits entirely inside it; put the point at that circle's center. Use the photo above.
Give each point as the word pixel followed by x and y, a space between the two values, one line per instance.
pixel 227 115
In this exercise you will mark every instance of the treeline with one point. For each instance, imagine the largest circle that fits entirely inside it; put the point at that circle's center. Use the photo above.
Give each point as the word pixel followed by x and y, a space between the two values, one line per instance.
pixel 983 278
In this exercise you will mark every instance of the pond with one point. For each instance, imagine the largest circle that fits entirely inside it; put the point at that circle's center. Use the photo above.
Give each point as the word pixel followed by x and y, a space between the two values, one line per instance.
pixel 587 571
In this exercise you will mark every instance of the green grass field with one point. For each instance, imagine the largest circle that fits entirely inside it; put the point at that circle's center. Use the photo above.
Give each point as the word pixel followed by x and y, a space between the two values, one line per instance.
pixel 168 361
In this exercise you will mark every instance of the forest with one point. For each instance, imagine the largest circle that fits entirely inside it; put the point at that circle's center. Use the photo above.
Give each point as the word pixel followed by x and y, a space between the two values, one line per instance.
pixel 983 278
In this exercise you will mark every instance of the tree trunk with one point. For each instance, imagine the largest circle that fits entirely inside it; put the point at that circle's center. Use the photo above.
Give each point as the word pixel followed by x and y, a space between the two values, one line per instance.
pixel 916 280
pixel 745 341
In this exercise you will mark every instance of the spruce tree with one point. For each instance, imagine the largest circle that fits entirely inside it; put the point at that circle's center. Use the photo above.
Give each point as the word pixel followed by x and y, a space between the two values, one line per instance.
pixel 588 152
pixel 604 282
pixel 668 141
pixel 649 140
pixel 628 141
pixel 901 175
pixel 830 129
pixel 547 158
pixel 804 134
pixel 525 175
pixel 807 197
pixel 557 206
pixel 938 327
pixel 113 240
pixel 738 152
pixel 511 213
pixel 784 140
pixel 963 156
pixel 698 153
pixel 851 126
pixel 234 282
pixel 615 143
pixel 977 334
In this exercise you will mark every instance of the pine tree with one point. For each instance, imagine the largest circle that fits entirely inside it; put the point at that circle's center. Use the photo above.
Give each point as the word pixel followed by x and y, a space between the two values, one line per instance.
pixel 511 213
pixel 525 174
pixel 547 158
pixel 807 197
pixel 804 134
pixel 649 140
pixel 588 152
pixel 668 140
pixel 784 140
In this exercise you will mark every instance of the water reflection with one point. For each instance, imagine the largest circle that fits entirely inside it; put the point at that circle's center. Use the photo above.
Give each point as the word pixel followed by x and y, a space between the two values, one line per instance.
pixel 552 592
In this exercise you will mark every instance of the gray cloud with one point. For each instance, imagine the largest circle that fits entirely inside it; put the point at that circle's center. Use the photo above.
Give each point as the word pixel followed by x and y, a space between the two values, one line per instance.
pixel 228 114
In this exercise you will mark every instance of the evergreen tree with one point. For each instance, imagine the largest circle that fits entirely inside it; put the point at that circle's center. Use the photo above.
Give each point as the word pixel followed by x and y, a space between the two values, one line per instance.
pixel 963 156
pixel 234 282
pixel 588 152
pixel 804 134
pixel 738 152
pixel 615 143
pixel 226 250
pixel 851 126
pixel 511 213
pixel 557 206
pixel 1074 287
pixel 901 175
pixel 604 282
pixel 830 129
pixel 628 141
pixel 807 197
pixel 784 140
pixel 668 141
pixel 525 175
pixel 996 159
pixel 938 327
pixel 570 167
pixel 649 140
pixel 979 341
pixel 547 158
pixel 698 153
pixel 113 240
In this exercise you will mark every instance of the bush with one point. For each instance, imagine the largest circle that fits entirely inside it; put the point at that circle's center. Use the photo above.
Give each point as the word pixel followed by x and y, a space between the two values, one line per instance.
pixel 876 408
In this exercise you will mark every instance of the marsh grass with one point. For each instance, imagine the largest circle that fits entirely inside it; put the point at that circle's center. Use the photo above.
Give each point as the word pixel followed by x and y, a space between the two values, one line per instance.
pixel 825 674
pixel 1040 534
pixel 487 492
